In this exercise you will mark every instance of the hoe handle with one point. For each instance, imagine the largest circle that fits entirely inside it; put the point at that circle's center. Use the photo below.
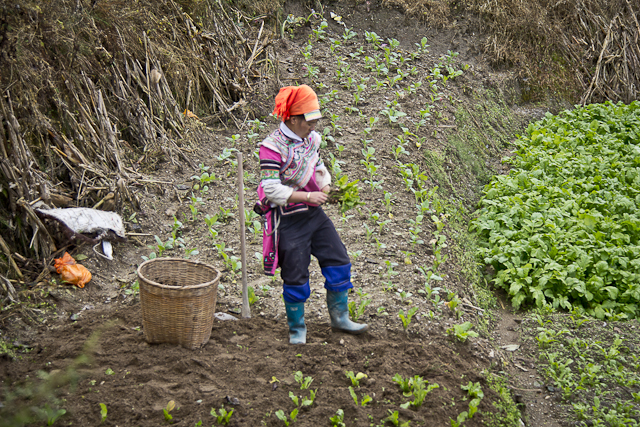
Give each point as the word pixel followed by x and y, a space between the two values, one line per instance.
pixel 246 310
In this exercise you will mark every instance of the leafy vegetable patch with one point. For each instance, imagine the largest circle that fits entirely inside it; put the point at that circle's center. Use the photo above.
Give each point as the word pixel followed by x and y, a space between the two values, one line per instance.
pixel 562 228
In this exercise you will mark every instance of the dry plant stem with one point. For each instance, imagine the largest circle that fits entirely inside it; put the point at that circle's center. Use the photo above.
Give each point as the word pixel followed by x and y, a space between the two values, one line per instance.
pixel 594 81
pixel 38 226
pixel 472 306
pixel 592 42
pixel 12 262
pixel 122 99
pixel 9 289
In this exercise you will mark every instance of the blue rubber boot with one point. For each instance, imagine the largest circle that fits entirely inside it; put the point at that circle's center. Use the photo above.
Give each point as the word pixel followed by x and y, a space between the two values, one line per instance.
pixel 295 319
pixel 339 313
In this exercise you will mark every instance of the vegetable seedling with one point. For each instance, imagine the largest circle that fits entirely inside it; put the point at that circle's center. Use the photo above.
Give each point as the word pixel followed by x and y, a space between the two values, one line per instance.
pixel 357 310
pixel 308 401
pixel 167 411
pixel 462 332
pixel 420 393
pixel 304 382
pixel 462 417
pixel 51 414
pixel 346 194
pixel 365 398
pixel 355 379
pixel 103 412
pixel 406 318
pixel 404 384
pixel 337 419
pixel 222 416
pixel 283 417
pixel 394 418
pixel 253 298
pixel 475 392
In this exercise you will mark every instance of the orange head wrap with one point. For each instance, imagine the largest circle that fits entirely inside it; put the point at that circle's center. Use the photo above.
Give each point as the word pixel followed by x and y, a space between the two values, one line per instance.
pixel 296 100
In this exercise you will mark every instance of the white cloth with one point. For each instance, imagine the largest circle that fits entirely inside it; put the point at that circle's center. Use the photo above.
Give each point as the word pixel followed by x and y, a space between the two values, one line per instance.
pixel 87 220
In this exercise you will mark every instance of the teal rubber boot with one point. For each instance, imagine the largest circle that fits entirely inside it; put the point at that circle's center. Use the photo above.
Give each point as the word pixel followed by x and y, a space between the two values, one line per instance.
pixel 339 313
pixel 295 319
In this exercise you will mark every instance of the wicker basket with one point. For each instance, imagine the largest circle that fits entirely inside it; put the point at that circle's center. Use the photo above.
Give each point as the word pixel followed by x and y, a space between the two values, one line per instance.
pixel 178 299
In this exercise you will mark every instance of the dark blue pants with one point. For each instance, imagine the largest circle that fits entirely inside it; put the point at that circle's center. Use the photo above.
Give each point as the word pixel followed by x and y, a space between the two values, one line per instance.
pixel 307 233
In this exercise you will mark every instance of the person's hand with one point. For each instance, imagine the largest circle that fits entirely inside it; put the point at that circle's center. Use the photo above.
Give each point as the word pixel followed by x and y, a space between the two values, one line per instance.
pixel 326 189
pixel 318 197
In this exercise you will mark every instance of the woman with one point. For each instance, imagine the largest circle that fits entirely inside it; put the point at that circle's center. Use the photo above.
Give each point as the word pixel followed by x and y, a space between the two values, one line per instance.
pixel 294 184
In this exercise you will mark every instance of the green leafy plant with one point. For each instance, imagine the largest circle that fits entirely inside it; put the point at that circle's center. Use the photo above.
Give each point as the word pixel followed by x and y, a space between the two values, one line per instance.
pixel 372 38
pixel 49 413
pixel 225 214
pixel 365 398
pixel 372 170
pixel 394 418
pixel 561 228
pixel 295 399
pixel 406 317
pixel 231 262
pixel 420 393
pixel 345 193
pixel 391 113
pixel 476 394
pixel 103 412
pixel 405 384
pixel 194 212
pixel 283 417
pixel 356 310
pixel 338 419
pixel 308 401
pixel 355 378
pixel 166 411
pixel 203 180
pixel 463 331
pixel 222 416
pixel 303 381
pixel 319 32
pixel 253 298
pixel 460 419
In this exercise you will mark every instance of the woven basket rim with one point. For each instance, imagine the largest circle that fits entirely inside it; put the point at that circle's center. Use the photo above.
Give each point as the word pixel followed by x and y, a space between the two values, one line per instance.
pixel 187 261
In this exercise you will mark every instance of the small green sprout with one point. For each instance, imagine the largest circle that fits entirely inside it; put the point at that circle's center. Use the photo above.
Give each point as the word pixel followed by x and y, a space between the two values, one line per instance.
pixel 167 411
pixel 103 412
pixel 357 310
pixel 462 331
pixel 304 382
pixel 253 298
pixel 283 417
pixel 338 419
pixel 404 384
pixel 355 379
pixel 51 414
pixel 394 418
pixel 308 401
pixel 406 318
pixel 222 416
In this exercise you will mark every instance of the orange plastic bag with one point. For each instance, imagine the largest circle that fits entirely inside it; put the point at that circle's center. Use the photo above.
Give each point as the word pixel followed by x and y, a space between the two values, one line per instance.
pixel 70 272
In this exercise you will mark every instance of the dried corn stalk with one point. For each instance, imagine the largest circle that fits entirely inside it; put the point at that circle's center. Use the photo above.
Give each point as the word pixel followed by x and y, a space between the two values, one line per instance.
pixel 90 88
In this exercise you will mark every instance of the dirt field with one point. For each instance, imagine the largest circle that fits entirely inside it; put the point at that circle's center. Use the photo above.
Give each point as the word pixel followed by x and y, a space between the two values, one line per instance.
pixel 90 341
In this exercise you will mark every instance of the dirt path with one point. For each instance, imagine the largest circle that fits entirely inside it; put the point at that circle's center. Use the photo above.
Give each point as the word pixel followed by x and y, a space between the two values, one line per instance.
pixel 536 399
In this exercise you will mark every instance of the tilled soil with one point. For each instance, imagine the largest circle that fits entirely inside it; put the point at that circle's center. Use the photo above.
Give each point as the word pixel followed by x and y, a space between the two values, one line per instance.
pixel 88 344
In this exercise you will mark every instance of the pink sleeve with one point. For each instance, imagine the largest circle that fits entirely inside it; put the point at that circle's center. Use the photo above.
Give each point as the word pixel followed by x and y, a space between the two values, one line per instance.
pixel 267 153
